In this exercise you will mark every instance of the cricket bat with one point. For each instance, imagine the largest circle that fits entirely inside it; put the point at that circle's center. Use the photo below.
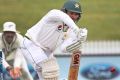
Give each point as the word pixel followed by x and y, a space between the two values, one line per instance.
pixel 74 66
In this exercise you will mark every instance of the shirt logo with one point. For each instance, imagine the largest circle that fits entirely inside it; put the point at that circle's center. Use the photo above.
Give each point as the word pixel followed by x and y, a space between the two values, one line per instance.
pixel 60 27
pixel 63 28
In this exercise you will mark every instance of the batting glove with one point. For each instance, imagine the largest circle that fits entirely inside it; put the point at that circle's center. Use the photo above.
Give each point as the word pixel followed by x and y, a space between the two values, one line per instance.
pixel 82 35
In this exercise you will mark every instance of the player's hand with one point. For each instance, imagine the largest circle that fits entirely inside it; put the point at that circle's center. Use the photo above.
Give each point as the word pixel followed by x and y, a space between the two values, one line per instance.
pixel 82 35
pixel 15 73
pixel 11 72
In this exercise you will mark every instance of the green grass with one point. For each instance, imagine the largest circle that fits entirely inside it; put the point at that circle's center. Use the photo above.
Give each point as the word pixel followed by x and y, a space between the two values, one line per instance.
pixel 101 17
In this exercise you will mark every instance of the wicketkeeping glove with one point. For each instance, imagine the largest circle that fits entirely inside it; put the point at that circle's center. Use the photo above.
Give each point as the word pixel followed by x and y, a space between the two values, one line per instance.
pixel 15 73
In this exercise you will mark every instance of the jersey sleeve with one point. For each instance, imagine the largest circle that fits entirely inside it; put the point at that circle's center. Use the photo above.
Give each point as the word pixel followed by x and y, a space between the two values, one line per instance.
pixel 58 15
pixel 4 62
pixel 18 58
pixel 1 41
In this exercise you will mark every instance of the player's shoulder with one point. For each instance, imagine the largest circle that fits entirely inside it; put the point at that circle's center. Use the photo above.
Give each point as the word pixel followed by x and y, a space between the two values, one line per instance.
pixel 55 10
pixel 1 34
pixel 0 40
pixel 19 35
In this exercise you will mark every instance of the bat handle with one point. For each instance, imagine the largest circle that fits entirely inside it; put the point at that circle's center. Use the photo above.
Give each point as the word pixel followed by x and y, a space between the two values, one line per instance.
pixel 74 66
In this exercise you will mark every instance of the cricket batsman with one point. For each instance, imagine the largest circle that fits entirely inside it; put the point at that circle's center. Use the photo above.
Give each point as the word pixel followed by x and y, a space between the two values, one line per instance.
pixel 12 59
pixel 56 29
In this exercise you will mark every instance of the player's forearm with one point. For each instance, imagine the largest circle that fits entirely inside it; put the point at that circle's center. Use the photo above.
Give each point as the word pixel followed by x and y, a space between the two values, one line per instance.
pixel 17 63
pixel 18 58
pixel 5 64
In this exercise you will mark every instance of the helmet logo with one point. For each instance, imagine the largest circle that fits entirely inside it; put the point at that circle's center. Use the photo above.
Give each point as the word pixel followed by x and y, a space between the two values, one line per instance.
pixel 76 5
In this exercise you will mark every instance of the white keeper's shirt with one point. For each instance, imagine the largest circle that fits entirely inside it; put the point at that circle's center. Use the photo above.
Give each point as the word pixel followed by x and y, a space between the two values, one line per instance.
pixel 49 32
pixel 11 55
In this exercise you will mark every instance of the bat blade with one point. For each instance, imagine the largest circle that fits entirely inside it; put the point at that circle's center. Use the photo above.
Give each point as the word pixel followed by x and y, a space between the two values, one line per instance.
pixel 74 66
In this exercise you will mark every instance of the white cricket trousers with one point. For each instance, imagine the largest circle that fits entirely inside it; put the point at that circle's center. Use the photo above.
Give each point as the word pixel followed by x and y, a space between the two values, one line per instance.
pixel 33 54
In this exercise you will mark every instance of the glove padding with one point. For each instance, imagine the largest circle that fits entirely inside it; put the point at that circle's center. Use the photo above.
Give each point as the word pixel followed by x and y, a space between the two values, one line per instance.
pixel 76 45
pixel 50 69
pixel 82 35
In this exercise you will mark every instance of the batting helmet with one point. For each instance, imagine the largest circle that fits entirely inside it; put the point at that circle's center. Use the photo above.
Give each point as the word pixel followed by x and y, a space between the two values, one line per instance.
pixel 72 5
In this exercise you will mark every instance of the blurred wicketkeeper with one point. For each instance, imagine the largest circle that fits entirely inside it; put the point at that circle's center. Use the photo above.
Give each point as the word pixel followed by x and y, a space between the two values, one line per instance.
pixel 13 60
